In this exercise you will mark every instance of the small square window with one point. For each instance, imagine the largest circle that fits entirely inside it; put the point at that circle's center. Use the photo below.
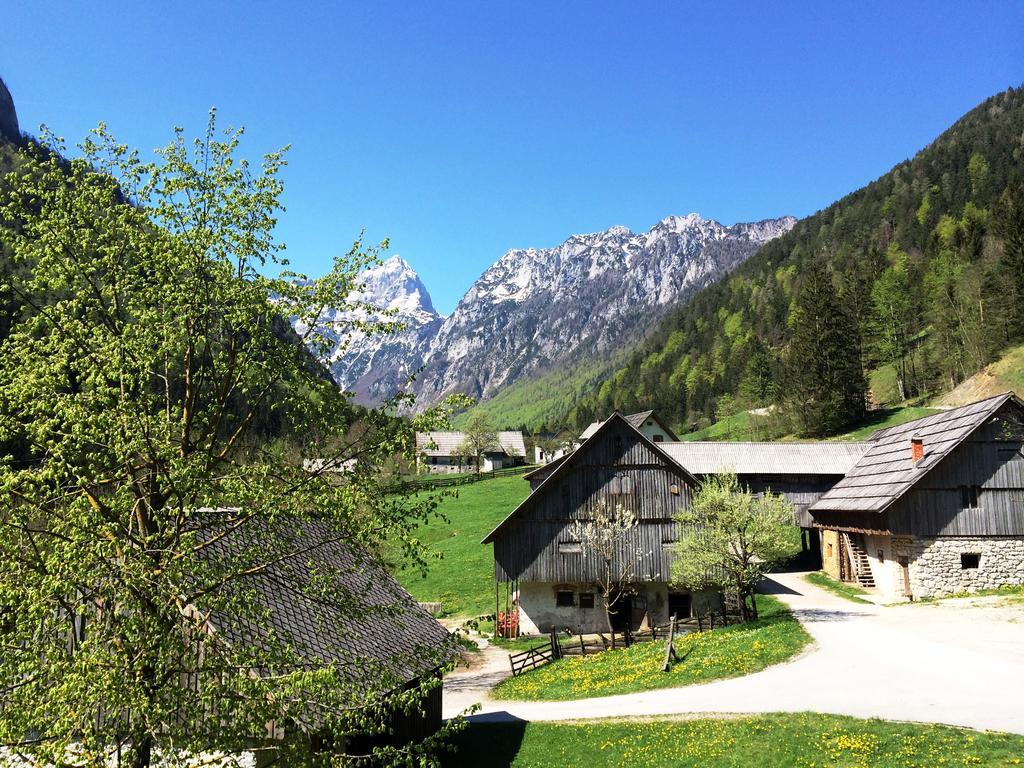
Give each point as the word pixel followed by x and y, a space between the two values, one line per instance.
pixel 969 496
pixel 659 438
pixel 564 599
pixel 969 560
pixel 569 548
pixel 881 556
pixel 586 599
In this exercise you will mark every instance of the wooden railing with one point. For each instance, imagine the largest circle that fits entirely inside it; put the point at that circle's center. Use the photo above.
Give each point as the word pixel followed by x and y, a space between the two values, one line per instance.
pixel 425 483
pixel 559 646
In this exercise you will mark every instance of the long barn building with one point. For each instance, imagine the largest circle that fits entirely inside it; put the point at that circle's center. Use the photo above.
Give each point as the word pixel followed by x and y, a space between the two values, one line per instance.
pixel 950 520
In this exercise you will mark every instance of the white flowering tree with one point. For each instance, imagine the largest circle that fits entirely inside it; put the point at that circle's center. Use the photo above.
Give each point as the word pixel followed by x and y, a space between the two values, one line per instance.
pixel 606 539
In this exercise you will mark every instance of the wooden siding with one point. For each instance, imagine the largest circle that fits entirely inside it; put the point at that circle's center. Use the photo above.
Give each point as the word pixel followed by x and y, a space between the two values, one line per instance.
pixel 991 459
pixel 616 460
pixel 799 490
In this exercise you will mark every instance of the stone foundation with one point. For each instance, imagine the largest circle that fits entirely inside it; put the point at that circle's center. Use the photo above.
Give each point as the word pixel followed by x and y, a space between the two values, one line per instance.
pixel 937 569
pixel 539 612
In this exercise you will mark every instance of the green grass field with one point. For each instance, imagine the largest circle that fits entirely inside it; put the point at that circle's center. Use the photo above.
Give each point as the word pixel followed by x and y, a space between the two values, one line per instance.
pixel 801 740
pixel 463 576
pixel 736 650
pixel 848 591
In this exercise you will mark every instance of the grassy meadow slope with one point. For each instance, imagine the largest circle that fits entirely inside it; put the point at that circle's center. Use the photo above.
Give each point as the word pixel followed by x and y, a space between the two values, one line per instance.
pixel 461 577
pixel 541 403
pixel 803 740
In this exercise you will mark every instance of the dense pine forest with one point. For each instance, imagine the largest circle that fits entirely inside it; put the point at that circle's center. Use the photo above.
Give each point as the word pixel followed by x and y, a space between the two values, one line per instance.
pixel 917 279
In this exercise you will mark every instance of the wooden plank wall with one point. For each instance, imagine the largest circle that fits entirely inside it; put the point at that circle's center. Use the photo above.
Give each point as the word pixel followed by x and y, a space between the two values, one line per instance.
pixel 799 490
pixel 528 548
pixel 991 459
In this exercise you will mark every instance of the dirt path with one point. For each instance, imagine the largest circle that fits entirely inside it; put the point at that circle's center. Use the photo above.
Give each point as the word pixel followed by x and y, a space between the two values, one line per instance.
pixel 466 686
pixel 959 662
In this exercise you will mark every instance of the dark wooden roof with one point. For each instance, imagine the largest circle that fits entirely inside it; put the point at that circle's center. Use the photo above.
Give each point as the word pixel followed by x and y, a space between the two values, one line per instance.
pixel 886 471
pixel 358 616
pixel 574 457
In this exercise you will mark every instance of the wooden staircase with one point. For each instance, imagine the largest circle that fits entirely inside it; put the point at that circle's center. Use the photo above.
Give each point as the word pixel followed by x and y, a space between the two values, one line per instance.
pixel 859 561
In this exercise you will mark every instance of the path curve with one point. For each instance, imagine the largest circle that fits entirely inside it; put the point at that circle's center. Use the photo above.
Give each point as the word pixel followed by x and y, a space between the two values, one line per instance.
pixel 958 662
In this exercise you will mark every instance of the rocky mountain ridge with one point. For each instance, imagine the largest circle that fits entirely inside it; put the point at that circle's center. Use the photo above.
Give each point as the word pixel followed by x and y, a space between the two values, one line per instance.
pixel 536 309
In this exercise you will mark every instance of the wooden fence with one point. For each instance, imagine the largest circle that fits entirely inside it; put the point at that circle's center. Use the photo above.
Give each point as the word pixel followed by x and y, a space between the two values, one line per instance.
pixel 536 656
pixel 442 481
pixel 559 646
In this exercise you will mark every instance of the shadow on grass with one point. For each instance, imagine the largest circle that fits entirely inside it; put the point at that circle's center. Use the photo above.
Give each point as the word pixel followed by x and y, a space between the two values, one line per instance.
pixel 493 739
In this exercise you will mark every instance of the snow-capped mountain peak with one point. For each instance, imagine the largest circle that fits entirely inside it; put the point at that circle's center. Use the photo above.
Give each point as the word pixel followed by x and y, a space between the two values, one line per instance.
pixel 394 285
pixel 536 309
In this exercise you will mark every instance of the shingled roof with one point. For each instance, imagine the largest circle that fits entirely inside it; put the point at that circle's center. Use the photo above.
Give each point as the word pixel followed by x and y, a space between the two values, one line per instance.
pixel 635 420
pixel 886 471
pixel 450 443
pixel 823 458
pixel 358 617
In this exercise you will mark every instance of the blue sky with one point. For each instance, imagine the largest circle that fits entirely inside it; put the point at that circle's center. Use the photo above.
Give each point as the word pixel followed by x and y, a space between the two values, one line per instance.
pixel 461 130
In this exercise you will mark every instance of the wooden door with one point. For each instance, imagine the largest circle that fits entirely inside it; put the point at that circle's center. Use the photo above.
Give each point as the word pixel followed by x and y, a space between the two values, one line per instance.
pixel 905 568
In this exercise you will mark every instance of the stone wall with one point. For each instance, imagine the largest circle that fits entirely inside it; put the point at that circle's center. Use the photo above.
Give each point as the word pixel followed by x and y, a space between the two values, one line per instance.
pixel 539 613
pixel 937 570
pixel 830 552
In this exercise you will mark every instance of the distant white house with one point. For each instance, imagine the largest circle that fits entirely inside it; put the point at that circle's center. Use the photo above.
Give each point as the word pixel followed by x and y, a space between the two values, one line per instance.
pixel 444 452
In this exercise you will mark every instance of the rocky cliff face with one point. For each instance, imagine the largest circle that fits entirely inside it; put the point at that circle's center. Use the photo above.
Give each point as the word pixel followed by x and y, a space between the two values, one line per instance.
pixel 376 367
pixel 8 115
pixel 536 309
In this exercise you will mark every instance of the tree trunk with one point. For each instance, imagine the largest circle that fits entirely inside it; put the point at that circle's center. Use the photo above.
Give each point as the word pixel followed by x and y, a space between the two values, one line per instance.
pixel 142 752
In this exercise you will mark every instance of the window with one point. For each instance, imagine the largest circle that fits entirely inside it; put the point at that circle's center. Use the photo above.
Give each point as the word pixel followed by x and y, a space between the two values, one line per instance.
pixel 586 599
pixel 659 438
pixel 969 496
pixel 569 548
pixel 881 556
pixel 969 560
pixel 679 604
pixel 828 547
pixel 564 599
pixel 620 485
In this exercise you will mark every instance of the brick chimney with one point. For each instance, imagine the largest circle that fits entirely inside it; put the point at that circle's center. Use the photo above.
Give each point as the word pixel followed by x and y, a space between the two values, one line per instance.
pixel 916 448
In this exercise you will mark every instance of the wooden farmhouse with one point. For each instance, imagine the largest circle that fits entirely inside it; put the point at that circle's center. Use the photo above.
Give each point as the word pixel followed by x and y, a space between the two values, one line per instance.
pixel 543 568
pixel 930 507
pixel 445 452
pixel 934 506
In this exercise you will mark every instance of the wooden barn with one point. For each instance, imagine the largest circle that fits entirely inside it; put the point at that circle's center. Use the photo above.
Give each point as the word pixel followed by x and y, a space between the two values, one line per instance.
pixel 934 506
pixel 799 472
pixel 364 623
pixel 540 567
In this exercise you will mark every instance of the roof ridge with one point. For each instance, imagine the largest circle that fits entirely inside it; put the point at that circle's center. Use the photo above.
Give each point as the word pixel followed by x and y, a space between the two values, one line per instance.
pixel 943 415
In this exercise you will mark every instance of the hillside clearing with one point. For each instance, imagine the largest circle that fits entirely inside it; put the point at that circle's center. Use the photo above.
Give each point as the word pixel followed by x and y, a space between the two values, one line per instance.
pixel 462 576
pixel 802 740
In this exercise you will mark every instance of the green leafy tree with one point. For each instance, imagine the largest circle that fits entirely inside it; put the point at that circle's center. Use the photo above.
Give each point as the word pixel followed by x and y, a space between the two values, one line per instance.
pixel 731 538
pixel 480 437
pixel 824 380
pixel 895 320
pixel 146 354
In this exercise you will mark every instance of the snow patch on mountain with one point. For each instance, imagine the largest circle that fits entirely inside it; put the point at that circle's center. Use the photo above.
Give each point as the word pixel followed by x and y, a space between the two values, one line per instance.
pixel 535 309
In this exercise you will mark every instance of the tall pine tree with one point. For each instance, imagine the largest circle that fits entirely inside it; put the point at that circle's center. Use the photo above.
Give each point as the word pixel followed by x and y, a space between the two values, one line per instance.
pixel 824 387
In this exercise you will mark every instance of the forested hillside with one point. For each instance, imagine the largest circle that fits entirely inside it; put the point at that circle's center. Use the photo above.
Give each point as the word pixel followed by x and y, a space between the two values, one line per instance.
pixel 915 281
